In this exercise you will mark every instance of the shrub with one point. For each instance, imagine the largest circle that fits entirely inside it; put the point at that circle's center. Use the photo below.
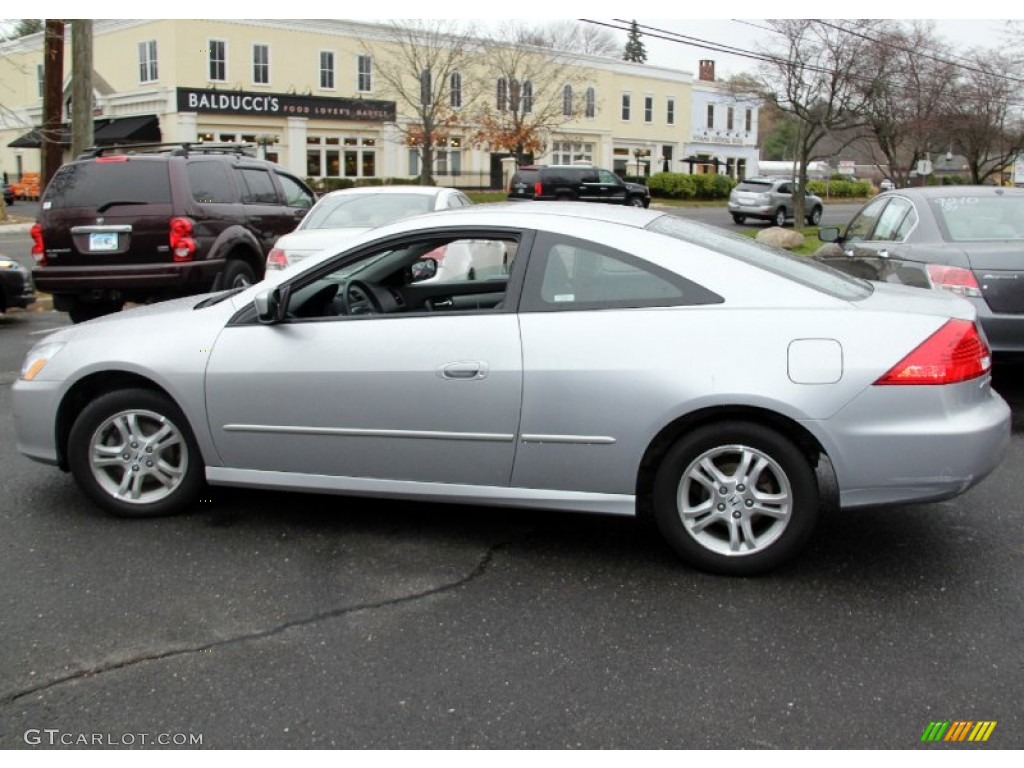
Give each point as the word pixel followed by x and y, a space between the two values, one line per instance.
pixel 685 186
pixel 840 188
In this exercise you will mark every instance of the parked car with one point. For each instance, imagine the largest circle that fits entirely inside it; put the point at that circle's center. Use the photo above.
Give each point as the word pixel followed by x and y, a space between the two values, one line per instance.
pixel 153 222
pixel 15 285
pixel 8 194
pixel 964 240
pixel 576 182
pixel 345 213
pixel 592 377
pixel 771 199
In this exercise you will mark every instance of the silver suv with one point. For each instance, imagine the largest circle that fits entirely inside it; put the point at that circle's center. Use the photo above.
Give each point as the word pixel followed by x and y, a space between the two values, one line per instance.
pixel 771 200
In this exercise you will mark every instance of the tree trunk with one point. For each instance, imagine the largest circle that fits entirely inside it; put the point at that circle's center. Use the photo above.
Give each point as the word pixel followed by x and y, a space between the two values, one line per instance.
pixel 53 96
pixel 81 86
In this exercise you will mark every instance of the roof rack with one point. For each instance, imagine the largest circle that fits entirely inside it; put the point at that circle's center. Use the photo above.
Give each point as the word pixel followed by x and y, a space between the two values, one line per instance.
pixel 175 149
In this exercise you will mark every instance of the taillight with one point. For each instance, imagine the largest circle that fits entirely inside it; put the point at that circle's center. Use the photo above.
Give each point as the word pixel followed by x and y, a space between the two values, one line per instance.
pixel 183 247
pixel 953 353
pixel 537 188
pixel 277 259
pixel 954 279
pixel 112 159
pixel 38 249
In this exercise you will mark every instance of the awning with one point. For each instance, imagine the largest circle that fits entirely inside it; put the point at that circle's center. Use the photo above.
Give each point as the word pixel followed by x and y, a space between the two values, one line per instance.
pixel 105 131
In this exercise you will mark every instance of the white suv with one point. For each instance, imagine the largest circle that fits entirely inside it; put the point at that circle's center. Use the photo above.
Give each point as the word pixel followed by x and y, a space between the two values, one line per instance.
pixel 771 200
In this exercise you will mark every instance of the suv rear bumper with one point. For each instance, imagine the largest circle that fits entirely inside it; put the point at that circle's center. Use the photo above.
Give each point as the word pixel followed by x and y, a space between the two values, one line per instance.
pixel 135 278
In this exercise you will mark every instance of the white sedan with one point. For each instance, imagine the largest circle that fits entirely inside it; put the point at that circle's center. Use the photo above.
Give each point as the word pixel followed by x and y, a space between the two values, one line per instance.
pixel 341 215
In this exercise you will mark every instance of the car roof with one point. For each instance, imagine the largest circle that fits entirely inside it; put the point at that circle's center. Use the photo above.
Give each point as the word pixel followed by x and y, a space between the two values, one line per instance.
pixel 530 214
pixel 955 191
pixel 391 189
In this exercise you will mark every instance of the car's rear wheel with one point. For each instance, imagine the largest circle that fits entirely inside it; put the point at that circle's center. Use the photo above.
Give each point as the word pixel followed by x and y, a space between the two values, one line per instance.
pixel 735 498
pixel 133 453
pixel 739 219
pixel 780 217
pixel 238 274
pixel 815 218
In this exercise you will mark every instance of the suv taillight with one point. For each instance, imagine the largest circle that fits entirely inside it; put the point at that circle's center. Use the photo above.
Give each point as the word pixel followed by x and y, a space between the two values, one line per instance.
pixel 38 249
pixel 537 188
pixel 953 353
pixel 277 259
pixel 183 247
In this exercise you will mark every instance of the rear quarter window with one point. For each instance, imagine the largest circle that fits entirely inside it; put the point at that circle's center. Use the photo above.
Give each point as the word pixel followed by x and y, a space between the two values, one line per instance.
pixel 209 182
pixel 94 184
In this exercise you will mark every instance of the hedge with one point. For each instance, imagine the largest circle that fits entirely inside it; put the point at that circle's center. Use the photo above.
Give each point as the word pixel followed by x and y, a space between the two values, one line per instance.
pixel 686 186
pixel 840 188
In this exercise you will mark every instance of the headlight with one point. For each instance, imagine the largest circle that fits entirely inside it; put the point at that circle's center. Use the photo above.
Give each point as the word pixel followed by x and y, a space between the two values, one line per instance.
pixel 8 264
pixel 38 357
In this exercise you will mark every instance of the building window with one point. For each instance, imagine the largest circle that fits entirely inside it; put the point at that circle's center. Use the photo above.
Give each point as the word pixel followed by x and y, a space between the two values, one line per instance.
pixel 261 64
pixel 569 153
pixel 711 116
pixel 590 103
pixel 147 61
pixel 527 97
pixel 336 157
pixel 648 109
pixel 41 80
pixel 729 112
pixel 455 89
pixel 426 88
pixel 670 112
pixel 447 158
pixel 567 101
pixel 626 104
pixel 327 70
pixel 514 95
pixel 501 94
pixel 218 61
pixel 365 74
pixel 748 121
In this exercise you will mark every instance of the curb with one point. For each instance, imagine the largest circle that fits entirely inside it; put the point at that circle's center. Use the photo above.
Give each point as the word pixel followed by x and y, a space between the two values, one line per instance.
pixel 24 227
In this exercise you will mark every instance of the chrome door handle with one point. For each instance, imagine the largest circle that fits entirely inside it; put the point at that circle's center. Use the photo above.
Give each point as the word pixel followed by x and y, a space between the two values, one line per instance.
pixel 464 371
pixel 883 254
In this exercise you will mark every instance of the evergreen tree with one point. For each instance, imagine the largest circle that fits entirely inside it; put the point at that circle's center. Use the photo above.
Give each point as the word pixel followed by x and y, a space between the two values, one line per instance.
pixel 635 50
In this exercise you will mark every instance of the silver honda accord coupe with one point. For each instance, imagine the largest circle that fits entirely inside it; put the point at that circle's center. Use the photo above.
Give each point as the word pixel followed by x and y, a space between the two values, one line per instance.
pixel 619 361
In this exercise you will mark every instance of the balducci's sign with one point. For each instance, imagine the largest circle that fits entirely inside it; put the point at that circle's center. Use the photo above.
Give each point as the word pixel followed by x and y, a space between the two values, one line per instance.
pixel 286 104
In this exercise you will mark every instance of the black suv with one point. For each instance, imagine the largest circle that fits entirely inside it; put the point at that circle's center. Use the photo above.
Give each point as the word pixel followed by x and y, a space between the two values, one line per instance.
pixel 150 222
pixel 575 182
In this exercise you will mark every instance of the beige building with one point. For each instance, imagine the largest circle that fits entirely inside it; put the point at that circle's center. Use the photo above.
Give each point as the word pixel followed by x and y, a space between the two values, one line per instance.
pixel 310 95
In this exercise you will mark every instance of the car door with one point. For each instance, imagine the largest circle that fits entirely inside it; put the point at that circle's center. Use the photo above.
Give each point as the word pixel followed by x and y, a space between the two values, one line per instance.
pixel 874 245
pixel 416 395
pixel 267 216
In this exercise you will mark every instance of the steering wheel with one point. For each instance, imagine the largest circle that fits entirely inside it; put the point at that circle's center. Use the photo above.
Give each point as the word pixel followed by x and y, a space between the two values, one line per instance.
pixel 359 298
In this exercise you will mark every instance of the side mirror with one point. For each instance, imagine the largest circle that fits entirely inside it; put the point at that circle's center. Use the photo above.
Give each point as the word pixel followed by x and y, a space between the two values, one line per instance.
pixel 829 234
pixel 424 269
pixel 272 304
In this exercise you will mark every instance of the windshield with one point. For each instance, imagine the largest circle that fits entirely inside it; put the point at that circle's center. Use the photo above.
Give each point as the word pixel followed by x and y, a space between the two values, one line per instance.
pixel 365 211
pixel 973 217
pixel 775 260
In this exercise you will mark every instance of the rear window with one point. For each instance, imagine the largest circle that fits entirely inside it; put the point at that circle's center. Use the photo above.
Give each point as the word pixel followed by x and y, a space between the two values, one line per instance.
pixel 980 217
pixel 775 260
pixel 754 186
pixel 371 210
pixel 93 184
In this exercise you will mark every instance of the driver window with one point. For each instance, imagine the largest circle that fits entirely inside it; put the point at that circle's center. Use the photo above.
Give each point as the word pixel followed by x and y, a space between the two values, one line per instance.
pixel 861 227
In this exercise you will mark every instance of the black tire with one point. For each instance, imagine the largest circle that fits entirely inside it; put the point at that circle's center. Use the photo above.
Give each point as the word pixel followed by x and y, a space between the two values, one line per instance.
pixel 81 311
pixel 136 418
pixel 238 274
pixel 636 202
pixel 815 218
pixel 739 219
pixel 780 217
pixel 713 539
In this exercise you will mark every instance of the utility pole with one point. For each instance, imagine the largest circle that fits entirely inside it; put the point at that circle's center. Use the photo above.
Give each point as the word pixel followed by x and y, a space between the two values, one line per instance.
pixel 81 86
pixel 53 96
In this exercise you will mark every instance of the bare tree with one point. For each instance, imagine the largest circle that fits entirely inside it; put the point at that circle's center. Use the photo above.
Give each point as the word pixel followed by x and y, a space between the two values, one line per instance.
pixel 536 89
pixel 983 118
pixel 426 64
pixel 906 103
pixel 817 72
pixel 574 36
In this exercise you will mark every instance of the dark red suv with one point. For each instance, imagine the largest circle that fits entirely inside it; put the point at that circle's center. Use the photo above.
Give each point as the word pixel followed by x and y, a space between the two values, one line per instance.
pixel 153 222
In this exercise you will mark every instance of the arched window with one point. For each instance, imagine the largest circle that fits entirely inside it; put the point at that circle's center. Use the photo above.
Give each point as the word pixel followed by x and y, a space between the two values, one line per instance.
pixel 455 88
pixel 567 100
pixel 514 95
pixel 590 106
pixel 527 97
pixel 426 88
pixel 502 93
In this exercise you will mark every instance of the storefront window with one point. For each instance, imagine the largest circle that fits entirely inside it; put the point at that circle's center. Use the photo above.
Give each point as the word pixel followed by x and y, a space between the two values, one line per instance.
pixel 369 163
pixel 341 156
pixel 313 164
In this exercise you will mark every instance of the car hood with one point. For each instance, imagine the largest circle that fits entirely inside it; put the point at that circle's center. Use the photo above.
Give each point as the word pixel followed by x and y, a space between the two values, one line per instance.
pixel 307 241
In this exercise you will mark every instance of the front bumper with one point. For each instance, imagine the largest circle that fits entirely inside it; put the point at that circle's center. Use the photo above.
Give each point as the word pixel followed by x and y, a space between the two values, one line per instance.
pixel 16 288
pixel 34 405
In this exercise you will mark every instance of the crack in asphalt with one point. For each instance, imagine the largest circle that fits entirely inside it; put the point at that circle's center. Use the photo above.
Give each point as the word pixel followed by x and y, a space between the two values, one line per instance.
pixel 478 570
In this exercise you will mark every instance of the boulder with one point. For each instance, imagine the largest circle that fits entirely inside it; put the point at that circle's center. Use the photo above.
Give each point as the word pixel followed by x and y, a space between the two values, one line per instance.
pixel 780 238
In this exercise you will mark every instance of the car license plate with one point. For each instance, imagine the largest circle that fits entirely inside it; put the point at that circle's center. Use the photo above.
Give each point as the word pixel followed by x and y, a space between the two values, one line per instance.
pixel 103 241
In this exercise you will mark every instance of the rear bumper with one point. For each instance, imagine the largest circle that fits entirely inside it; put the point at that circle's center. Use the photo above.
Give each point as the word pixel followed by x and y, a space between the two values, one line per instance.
pixel 135 277
pixel 1005 333
pixel 755 211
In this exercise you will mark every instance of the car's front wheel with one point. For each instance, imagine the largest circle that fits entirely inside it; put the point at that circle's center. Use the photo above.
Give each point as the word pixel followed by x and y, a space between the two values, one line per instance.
pixel 815 217
pixel 637 202
pixel 735 498
pixel 133 453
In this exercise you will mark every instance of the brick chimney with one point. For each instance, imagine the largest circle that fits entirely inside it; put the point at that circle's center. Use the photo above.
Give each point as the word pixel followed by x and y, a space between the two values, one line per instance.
pixel 707 70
